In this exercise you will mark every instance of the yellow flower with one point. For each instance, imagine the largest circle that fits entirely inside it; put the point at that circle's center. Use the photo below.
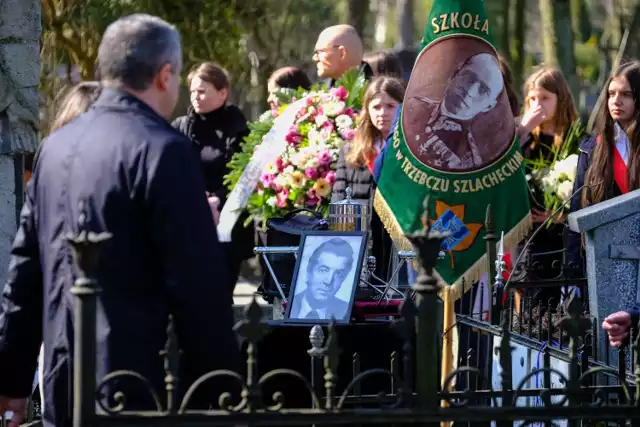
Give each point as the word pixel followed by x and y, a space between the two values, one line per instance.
pixel 322 187
pixel 296 179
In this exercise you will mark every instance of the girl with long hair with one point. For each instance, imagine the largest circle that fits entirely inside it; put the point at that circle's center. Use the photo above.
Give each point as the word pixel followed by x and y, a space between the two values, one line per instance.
pixel 549 113
pixel 609 163
pixel 355 162
pixel 383 96
pixel 549 109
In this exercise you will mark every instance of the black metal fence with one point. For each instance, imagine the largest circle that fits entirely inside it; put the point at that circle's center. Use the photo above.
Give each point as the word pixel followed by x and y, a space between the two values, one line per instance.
pixel 411 390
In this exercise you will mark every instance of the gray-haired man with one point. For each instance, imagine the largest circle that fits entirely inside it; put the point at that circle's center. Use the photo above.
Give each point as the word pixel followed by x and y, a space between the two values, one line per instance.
pixel 141 182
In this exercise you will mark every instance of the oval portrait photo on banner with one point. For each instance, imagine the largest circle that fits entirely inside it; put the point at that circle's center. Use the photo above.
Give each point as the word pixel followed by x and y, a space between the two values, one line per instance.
pixel 456 115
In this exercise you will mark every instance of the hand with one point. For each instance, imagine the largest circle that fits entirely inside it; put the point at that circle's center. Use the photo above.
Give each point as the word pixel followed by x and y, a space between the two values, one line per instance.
pixel 17 406
pixel 617 326
pixel 214 204
pixel 533 118
pixel 538 216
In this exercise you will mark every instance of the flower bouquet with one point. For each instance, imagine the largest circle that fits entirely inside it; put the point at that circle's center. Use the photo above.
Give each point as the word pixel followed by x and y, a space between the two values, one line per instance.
pixel 555 177
pixel 303 174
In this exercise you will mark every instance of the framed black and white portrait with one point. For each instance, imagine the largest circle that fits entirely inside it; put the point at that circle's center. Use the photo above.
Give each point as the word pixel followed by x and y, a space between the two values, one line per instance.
pixel 326 276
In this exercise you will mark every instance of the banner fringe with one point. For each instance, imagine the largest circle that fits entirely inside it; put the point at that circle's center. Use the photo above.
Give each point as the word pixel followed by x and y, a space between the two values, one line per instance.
pixel 449 294
pixel 516 235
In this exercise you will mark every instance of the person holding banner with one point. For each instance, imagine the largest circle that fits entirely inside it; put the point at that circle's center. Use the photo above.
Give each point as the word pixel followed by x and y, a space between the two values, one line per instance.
pixel 217 128
pixel 608 165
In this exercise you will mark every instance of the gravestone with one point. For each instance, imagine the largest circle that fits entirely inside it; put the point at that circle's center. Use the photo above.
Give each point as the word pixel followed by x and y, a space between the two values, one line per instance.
pixel 612 245
pixel 20 29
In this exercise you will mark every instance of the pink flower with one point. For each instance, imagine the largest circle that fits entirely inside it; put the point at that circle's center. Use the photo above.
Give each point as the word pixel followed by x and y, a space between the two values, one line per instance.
pixel 267 179
pixel 328 126
pixel 282 197
pixel 347 134
pixel 276 187
pixel 311 173
pixel 349 112
pixel 280 164
pixel 324 173
pixel 312 198
pixel 340 92
pixel 293 138
pixel 309 101
pixel 325 158
pixel 331 177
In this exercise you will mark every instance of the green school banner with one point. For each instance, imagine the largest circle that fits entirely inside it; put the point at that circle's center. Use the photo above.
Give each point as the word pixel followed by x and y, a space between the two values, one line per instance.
pixel 455 142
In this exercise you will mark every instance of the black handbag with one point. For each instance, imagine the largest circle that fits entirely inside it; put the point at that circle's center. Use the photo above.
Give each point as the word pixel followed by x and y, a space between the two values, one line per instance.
pixel 286 231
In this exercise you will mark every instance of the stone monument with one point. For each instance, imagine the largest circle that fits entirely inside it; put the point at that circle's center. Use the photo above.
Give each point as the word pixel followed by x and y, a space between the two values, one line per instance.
pixel 20 29
pixel 612 245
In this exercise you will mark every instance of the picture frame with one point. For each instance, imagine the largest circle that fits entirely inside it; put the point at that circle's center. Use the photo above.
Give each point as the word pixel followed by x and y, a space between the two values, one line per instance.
pixel 329 263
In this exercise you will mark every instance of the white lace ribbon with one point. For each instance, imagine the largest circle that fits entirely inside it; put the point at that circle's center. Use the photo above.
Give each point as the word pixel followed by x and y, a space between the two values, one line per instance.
pixel 272 146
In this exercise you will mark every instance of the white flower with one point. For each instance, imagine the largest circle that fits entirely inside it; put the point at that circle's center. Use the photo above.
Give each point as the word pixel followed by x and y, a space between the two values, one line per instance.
pixel 312 163
pixel 321 119
pixel 289 169
pixel 281 180
pixel 572 166
pixel 333 108
pixel 271 201
pixel 344 122
pixel 314 136
pixel 296 159
pixel 564 190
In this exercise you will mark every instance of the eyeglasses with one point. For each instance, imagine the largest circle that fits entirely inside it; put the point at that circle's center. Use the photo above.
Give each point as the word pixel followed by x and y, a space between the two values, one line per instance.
pixel 324 50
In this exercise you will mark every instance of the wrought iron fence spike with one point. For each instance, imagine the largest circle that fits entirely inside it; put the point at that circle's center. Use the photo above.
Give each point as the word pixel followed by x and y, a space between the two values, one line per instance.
pixel 171 355
pixel 332 353
pixel 316 339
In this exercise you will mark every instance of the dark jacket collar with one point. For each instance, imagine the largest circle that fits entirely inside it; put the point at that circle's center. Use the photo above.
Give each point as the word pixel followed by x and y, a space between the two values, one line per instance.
pixel 364 68
pixel 588 144
pixel 113 98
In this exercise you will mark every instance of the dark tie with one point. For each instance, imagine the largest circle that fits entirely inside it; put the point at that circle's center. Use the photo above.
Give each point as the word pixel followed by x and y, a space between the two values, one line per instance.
pixel 313 315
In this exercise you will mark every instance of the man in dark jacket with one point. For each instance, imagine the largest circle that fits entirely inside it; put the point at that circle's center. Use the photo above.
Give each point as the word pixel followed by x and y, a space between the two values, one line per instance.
pixel 140 181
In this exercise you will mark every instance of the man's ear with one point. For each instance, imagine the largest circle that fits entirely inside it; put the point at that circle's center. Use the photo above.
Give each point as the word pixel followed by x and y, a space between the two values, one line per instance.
pixel 343 52
pixel 224 93
pixel 163 77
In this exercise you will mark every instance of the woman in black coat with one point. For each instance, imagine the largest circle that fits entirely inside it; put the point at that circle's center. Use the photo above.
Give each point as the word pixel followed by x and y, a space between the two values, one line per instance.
pixel 355 162
pixel 217 129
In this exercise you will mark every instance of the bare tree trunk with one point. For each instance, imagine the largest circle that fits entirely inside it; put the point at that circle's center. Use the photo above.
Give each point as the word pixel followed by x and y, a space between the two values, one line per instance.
pixel 357 15
pixel 380 35
pixel 518 45
pixel 505 42
pixel 557 36
pixel 405 10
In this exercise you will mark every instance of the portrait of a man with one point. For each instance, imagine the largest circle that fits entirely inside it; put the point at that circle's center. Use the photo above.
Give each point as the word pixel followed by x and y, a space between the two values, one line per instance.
pixel 326 280
pixel 440 112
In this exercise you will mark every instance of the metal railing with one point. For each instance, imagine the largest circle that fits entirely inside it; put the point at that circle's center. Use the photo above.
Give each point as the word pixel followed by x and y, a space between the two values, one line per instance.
pixel 413 392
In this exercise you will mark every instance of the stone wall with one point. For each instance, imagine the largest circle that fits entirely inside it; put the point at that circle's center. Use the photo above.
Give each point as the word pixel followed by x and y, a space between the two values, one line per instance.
pixel 20 29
